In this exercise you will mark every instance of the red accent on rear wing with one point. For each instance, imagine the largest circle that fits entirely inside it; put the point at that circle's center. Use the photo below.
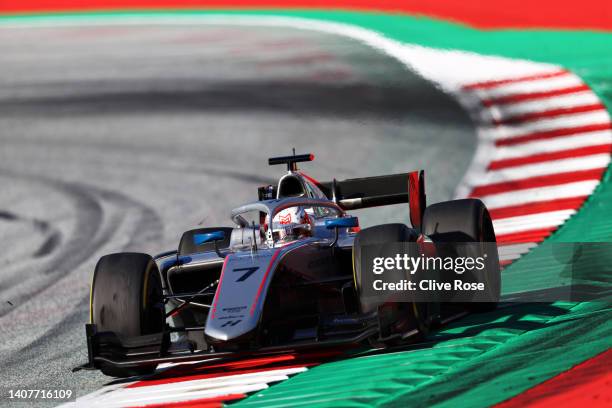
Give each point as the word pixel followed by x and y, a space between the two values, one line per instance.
pixel 416 191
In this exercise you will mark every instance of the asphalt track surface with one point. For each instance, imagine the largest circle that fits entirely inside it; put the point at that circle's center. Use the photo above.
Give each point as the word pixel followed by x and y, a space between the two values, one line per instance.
pixel 120 138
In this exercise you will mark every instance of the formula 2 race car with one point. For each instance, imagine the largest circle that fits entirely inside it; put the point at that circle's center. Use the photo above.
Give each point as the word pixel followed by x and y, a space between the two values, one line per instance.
pixel 286 276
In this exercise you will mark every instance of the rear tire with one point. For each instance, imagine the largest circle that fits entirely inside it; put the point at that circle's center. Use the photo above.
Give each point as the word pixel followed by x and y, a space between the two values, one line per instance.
pixel 466 220
pixel 127 299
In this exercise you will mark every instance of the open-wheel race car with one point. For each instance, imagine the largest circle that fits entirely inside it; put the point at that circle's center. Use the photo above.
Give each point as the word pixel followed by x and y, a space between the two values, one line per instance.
pixel 287 276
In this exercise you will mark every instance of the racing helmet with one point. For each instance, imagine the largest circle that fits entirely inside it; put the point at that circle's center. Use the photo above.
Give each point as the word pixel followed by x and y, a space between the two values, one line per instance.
pixel 292 223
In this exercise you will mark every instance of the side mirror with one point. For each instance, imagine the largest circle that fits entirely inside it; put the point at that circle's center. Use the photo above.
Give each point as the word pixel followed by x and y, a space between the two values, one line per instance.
pixel 336 223
pixel 199 239
pixel 344 222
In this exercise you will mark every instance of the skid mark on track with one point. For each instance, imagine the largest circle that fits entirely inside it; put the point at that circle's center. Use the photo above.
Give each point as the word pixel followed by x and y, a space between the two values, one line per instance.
pixel 92 229
pixel 52 236
pixel 53 301
pixel 88 216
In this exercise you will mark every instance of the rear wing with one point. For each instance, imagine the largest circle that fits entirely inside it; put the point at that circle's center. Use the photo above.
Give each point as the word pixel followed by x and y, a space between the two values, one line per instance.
pixel 377 191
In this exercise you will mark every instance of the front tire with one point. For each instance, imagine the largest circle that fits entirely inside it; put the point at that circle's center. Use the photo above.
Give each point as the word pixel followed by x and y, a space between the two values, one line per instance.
pixel 127 300
pixel 393 316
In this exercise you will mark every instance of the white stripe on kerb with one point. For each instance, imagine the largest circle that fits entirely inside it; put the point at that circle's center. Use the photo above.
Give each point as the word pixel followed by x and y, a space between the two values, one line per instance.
pixel 189 389
pixel 514 251
pixel 596 161
pixel 548 124
pixel 524 87
pixel 541 105
pixel 117 401
pixel 221 381
pixel 531 222
pixel 547 146
pixel 534 195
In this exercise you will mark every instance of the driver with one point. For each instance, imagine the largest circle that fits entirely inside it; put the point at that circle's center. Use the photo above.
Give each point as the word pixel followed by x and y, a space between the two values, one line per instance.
pixel 292 223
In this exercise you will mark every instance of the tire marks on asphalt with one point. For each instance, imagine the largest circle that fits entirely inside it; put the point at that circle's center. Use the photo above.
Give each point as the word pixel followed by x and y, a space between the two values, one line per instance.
pixel 53 300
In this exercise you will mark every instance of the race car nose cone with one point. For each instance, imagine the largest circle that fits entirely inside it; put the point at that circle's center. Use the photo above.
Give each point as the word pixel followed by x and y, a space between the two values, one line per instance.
pixel 215 336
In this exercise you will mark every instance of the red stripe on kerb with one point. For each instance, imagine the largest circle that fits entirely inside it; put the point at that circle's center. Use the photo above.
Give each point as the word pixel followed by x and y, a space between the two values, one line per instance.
pixel 543 157
pixel 572 203
pixel 524 237
pixel 214 306
pixel 207 369
pixel 587 384
pixel 197 403
pixel 499 82
pixel 552 113
pixel 523 97
pixel 540 181
pixel 263 281
pixel 551 134
pixel 191 375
